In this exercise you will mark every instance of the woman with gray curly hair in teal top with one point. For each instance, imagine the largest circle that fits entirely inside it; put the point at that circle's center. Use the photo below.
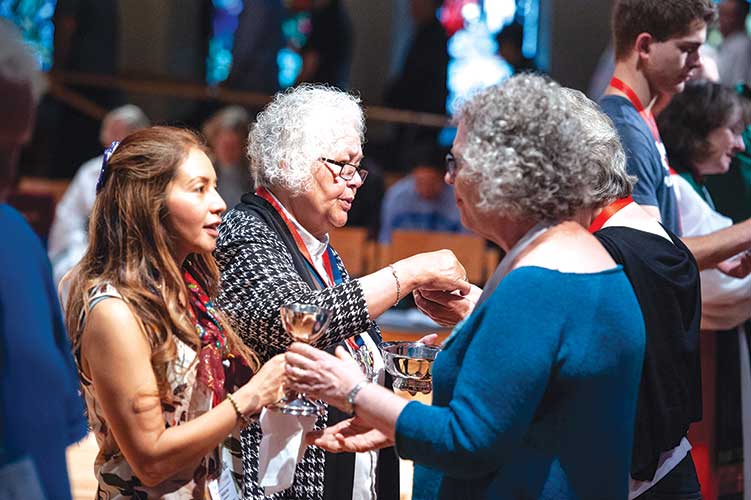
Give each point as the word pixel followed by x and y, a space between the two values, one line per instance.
pixel 535 391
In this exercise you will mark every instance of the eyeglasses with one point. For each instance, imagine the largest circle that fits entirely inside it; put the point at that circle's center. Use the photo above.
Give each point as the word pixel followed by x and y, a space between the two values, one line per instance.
pixel 452 166
pixel 347 171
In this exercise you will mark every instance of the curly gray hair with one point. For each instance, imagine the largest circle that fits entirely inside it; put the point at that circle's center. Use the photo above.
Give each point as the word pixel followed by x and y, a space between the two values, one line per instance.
pixel 295 129
pixel 604 153
pixel 537 150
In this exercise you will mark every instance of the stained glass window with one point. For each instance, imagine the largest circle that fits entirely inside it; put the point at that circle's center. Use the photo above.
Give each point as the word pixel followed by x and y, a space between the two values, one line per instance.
pixel 224 26
pixel 472 26
pixel 34 19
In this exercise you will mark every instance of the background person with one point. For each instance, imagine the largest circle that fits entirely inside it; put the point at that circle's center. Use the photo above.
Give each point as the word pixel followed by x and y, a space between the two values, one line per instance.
pixel 41 413
pixel 226 132
pixel 703 132
pixel 734 61
pixel 656 51
pixel 69 232
pixel 421 201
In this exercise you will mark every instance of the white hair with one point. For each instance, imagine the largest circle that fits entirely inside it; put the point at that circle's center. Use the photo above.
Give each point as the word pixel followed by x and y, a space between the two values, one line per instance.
pixel 299 126
pixel 17 61
pixel 131 115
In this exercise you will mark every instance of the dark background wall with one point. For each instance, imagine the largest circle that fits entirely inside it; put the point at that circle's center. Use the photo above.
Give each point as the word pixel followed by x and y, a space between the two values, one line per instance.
pixel 159 39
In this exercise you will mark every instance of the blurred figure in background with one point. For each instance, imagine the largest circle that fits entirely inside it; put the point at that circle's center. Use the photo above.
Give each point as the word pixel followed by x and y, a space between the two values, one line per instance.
pixel 366 209
pixel 327 53
pixel 258 40
pixel 421 84
pixel 42 413
pixel 69 233
pixel 421 200
pixel 731 192
pixel 226 133
pixel 86 41
pixel 702 129
pixel 510 41
pixel 735 52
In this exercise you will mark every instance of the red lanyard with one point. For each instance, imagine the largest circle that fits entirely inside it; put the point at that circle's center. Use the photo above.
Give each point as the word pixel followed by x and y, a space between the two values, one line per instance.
pixel 647 116
pixel 263 193
pixel 608 212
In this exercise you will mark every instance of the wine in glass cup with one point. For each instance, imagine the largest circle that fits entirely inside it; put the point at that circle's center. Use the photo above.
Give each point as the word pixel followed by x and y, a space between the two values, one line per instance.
pixel 304 323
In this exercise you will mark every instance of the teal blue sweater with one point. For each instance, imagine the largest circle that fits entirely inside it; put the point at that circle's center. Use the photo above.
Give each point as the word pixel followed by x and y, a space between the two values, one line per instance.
pixel 534 394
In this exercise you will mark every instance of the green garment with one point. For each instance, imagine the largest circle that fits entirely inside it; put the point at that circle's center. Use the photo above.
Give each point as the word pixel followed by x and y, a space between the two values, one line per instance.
pixel 731 192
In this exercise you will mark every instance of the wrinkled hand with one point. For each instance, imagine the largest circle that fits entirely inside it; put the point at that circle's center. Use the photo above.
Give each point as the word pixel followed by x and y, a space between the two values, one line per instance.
pixel 445 308
pixel 266 386
pixel 349 436
pixel 320 375
pixel 738 266
pixel 439 270
pixel 429 339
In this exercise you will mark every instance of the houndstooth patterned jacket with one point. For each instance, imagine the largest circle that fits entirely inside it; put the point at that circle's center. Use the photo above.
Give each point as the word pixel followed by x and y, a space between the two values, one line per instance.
pixel 258 276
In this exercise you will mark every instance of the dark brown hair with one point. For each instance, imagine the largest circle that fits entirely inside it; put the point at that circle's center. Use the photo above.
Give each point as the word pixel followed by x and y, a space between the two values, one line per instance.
pixel 663 19
pixel 689 118
pixel 130 247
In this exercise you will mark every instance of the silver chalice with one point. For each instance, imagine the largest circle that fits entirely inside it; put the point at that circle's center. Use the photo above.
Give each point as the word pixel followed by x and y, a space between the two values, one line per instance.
pixel 411 365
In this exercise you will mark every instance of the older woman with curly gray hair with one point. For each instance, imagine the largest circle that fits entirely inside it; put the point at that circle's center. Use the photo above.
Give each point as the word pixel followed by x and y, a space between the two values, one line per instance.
pixel 534 394
pixel 305 150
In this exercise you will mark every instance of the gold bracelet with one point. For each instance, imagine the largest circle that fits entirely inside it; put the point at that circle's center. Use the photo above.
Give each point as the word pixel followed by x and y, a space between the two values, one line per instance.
pixel 245 420
pixel 398 285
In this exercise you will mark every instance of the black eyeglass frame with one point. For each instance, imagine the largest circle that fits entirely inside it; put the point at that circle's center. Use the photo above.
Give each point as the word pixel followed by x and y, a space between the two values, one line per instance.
pixel 452 166
pixel 347 176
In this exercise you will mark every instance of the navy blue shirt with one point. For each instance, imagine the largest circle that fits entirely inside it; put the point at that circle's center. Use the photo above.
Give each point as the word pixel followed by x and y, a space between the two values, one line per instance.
pixel 646 159
pixel 42 412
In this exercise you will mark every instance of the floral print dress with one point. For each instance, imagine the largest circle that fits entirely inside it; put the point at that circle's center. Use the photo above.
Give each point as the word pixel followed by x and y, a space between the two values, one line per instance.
pixel 115 476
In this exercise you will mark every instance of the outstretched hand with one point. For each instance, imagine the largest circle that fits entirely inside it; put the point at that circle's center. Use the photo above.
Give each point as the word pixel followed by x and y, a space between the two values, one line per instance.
pixel 349 436
pixel 445 308
pixel 738 266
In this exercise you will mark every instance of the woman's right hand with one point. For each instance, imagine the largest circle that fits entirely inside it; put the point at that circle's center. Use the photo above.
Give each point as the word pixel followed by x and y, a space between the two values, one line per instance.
pixel 446 308
pixel 264 388
pixel 438 270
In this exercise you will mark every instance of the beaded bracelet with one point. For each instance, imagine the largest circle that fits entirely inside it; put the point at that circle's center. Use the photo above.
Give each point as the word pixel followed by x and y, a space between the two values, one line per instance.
pixel 245 420
pixel 398 285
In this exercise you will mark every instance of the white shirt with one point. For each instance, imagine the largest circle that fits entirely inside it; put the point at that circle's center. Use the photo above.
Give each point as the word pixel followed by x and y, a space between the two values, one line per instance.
pixel 725 301
pixel 734 59
pixel 364 483
pixel 69 234
pixel 665 464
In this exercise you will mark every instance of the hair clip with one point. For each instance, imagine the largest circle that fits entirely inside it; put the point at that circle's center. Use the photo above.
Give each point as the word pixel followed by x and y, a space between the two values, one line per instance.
pixel 105 159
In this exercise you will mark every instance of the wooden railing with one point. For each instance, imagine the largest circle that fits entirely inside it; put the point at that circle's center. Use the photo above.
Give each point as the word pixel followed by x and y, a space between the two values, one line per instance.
pixel 60 84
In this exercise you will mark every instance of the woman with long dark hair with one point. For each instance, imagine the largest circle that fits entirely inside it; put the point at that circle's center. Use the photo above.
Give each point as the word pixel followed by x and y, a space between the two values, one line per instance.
pixel 165 378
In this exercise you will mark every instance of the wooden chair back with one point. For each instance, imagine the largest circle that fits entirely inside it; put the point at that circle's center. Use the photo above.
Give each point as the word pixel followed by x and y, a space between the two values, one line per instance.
pixel 470 249
pixel 352 245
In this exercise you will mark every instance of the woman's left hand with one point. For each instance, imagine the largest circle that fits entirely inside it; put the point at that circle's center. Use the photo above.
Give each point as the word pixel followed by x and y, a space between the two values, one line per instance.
pixel 320 375
pixel 349 436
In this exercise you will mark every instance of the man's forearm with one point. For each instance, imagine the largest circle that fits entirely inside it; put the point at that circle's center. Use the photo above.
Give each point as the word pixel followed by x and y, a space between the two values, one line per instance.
pixel 713 248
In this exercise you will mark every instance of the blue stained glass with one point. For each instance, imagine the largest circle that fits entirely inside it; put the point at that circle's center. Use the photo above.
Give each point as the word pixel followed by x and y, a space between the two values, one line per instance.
pixel 225 23
pixel 474 62
pixel 290 64
pixel 34 19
